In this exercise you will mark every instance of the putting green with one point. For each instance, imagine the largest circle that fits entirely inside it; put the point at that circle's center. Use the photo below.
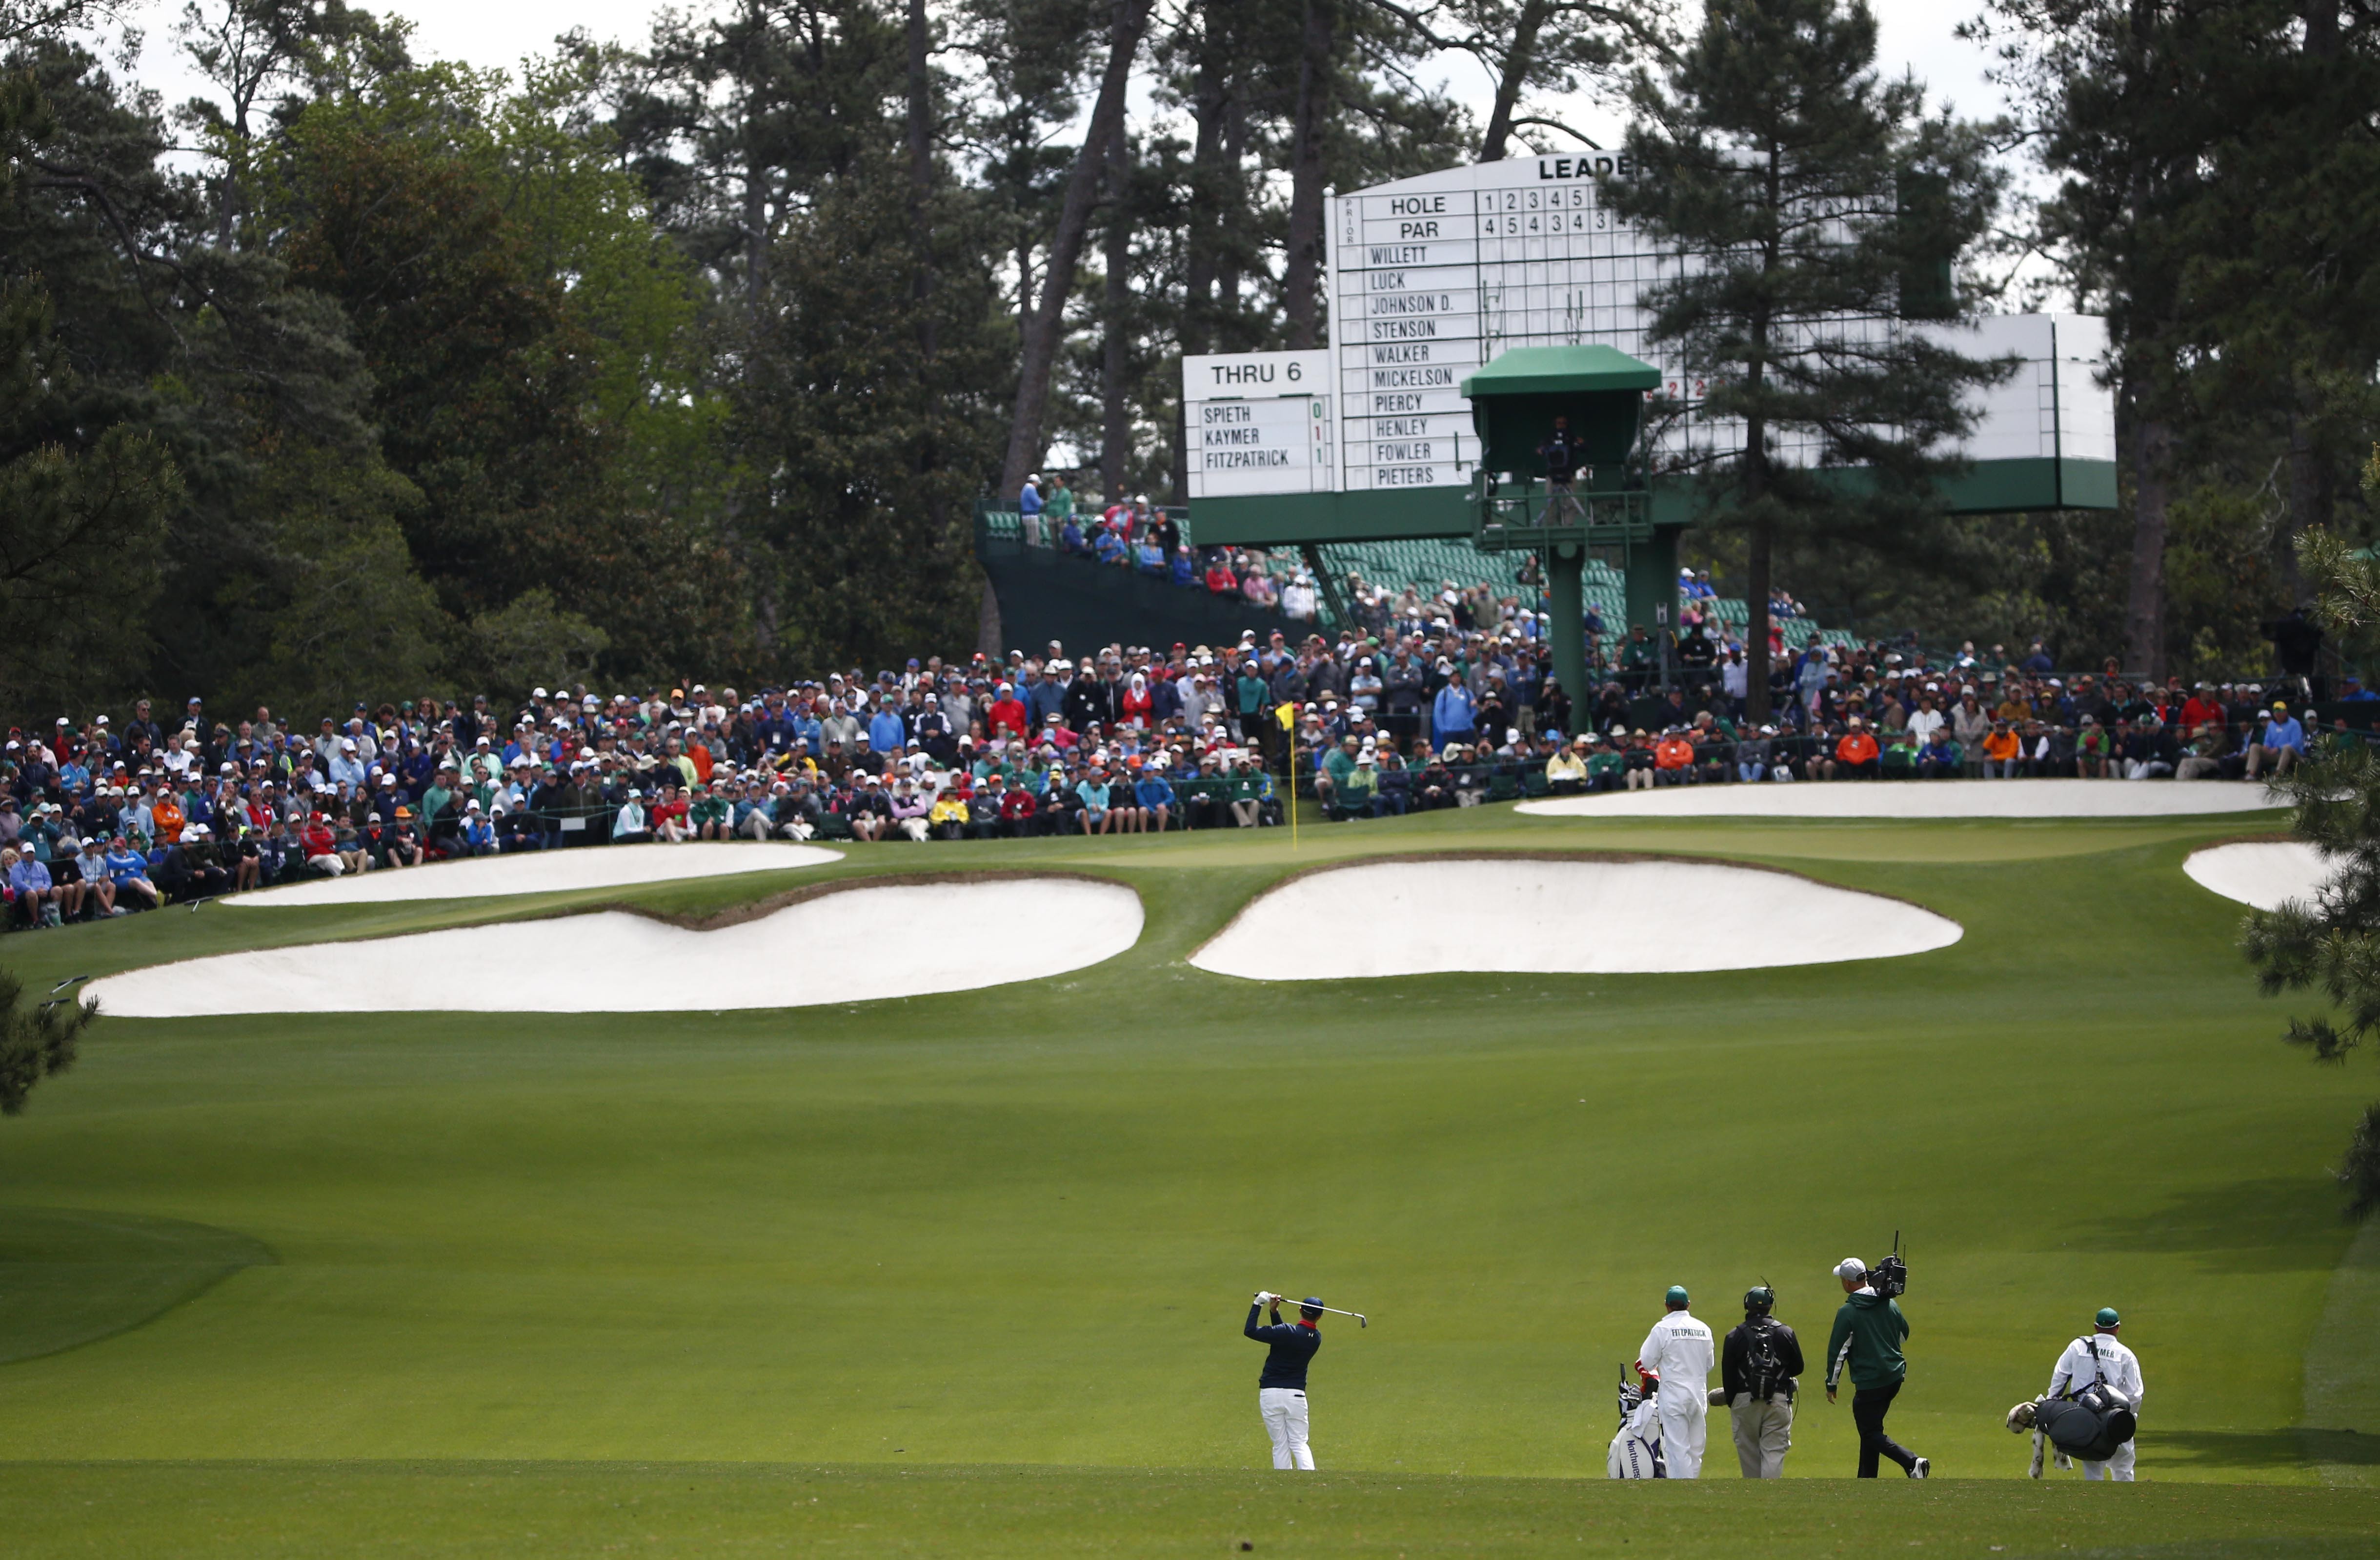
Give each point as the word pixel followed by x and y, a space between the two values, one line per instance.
pixel 1019 1225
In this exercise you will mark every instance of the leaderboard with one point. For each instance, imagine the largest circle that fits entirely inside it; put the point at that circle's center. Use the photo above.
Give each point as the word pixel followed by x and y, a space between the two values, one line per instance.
pixel 1259 422
pixel 1430 278
pixel 1433 276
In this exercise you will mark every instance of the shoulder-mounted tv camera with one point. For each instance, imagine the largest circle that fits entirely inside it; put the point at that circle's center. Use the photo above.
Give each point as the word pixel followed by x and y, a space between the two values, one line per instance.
pixel 1889 1278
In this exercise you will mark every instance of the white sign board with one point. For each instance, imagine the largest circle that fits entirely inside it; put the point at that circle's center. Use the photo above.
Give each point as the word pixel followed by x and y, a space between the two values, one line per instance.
pixel 1259 422
pixel 2053 406
pixel 1432 277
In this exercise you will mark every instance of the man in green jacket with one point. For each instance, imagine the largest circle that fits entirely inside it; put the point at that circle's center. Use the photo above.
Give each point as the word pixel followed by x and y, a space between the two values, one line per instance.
pixel 1868 1330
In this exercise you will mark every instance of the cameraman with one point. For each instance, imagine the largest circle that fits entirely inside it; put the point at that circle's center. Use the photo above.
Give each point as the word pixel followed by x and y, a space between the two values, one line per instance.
pixel 1757 1368
pixel 1868 1330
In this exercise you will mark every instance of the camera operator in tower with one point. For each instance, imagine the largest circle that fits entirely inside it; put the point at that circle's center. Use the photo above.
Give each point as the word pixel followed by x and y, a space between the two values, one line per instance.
pixel 2096 1358
pixel 1866 1341
pixel 1756 1370
pixel 1679 1350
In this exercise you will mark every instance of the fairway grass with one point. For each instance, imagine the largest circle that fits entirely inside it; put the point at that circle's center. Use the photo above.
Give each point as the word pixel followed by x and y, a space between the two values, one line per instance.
pixel 997 1245
pixel 264 1511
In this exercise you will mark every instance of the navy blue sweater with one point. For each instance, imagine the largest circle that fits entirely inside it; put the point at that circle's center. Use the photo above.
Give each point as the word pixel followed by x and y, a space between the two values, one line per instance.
pixel 1292 1345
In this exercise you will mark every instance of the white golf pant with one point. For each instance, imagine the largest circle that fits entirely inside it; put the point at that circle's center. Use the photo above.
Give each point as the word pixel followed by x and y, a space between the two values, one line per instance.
pixel 1284 1416
pixel 1685 1417
pixel 2118 1468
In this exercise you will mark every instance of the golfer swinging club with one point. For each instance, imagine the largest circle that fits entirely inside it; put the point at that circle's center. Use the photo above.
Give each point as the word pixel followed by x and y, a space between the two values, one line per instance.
pixel 1281 1391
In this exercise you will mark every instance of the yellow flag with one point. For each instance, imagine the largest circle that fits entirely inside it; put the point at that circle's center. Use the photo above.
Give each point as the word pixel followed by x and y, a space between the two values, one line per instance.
pixel 1287 715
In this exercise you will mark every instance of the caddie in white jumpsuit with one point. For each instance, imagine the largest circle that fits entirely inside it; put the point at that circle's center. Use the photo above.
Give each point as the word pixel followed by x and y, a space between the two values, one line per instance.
pixel 1679 1351
pixel 2098 1358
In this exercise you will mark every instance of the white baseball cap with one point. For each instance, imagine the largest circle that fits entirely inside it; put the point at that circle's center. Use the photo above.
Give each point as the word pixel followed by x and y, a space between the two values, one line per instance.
pixel 1851 1267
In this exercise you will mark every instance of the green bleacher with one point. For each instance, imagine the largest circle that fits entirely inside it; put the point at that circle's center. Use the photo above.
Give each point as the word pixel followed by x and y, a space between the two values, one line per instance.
pixel 1431 563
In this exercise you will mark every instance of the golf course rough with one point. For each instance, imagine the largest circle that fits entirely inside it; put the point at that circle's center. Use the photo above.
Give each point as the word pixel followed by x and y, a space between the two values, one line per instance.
pixel 867 943
pixel 534 1270
pixel 1563 918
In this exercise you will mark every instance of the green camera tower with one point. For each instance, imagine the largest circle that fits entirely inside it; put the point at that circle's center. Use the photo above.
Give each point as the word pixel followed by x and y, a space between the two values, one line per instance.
pixel 1600 392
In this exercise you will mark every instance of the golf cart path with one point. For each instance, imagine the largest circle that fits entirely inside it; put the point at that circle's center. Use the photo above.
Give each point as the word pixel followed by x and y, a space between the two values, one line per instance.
pixel 861 944
pixel 541 872
pixel 1560 917
pixel 1918 799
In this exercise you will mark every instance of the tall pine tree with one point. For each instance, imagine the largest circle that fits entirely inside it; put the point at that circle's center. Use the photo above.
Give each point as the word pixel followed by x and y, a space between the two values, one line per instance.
pixel 1829 205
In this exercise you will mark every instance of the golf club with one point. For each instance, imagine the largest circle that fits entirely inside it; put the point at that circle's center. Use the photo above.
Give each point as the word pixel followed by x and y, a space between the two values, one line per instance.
pixel 1333 1310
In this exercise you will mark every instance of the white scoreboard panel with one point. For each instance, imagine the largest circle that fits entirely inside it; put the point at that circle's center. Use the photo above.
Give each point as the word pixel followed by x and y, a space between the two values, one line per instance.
pixel 1260 422
pixel 1433 276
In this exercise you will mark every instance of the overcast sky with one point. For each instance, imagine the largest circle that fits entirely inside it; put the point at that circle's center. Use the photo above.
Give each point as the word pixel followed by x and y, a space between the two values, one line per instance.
pixel 1916 35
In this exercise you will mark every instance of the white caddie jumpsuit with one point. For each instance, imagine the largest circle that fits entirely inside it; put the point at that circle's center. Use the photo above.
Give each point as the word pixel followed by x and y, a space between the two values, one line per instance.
pixel 1678 1350
pixel 2121 1369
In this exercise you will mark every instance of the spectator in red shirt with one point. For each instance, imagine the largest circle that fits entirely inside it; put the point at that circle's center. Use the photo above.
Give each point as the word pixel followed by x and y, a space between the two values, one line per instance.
pixel 1007 716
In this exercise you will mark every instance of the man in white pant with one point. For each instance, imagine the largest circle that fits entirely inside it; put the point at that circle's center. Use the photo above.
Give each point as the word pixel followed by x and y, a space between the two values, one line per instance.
pixel 1680 1352
pixel 2099 1358
pixel 1281 1391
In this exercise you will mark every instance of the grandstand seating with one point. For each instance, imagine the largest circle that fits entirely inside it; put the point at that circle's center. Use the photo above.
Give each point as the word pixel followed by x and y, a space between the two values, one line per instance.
pixel 1431 563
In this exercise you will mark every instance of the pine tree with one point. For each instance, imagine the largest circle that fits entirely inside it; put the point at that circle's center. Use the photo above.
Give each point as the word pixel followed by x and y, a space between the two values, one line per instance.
pixel 1824 200
pixel 2331 943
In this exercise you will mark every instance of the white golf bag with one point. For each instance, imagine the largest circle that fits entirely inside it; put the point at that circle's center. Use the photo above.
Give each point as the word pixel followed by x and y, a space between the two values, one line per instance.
pixel 1636 1449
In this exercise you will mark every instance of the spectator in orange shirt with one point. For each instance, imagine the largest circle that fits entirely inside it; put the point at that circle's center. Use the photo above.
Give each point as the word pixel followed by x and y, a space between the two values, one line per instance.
pixel 1856 754
pixel 1673 759
pixel 2001 750
pixel 165 817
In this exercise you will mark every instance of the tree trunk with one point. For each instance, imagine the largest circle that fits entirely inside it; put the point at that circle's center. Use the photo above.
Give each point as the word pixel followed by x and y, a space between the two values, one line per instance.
pixel 1045 325
pixel 1115 309
pixel 756 230
pixel 1201 237
pixel 921 171
pixel 2144 603
pixel 1230 216
pixel 2310 499
pixel 1759 548
pixel 1300 287
pixel 1518 60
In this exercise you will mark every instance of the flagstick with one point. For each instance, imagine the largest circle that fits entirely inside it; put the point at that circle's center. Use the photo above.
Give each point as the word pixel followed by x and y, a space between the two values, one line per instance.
pixel 1292 791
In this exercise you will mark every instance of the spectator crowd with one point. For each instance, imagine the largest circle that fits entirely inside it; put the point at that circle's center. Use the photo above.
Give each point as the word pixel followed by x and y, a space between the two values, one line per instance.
pixel 106 816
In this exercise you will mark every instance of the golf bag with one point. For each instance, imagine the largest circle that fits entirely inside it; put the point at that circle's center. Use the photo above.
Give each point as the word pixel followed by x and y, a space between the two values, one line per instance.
pixel 1636 1449
pixel 2089 1426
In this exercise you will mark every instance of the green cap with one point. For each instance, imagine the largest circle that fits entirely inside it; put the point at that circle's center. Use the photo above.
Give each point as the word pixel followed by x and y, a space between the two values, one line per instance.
pixel 2107 1317
pixel 1676 1295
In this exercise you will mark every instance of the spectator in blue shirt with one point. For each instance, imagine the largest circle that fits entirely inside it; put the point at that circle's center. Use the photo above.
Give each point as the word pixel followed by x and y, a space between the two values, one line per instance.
pixel 1454 714
pixel 885 732
pixel 130 871
pixel 1028 509
pixel 1070 536
pixel 37 896
pixel 1154 804
pixel 2282 743
pixel 1111 548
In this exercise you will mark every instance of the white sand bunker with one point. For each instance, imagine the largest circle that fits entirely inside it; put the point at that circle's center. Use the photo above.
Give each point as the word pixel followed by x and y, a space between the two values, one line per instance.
pixel 1559 917
pixel 855 945
pixel 2265 874
pixel 1920 799
pixel 543 872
